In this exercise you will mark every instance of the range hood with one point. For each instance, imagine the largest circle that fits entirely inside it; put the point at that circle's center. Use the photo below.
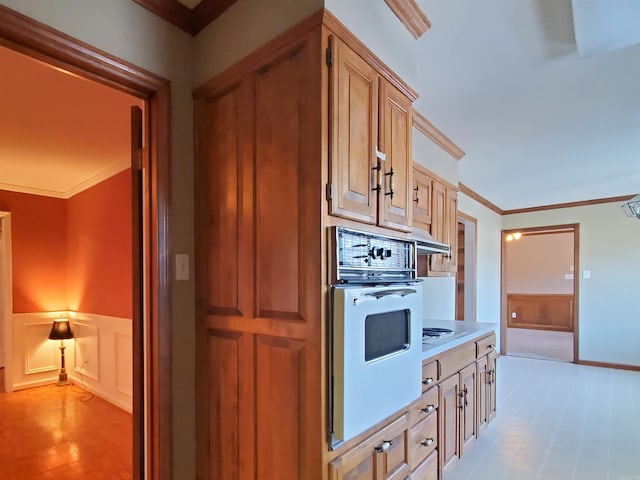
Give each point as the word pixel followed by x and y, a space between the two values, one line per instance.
pixel 426 245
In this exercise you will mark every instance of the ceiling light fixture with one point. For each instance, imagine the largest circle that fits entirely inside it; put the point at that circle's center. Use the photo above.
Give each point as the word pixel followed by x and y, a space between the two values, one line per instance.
pixel 632 207
pixel 513 236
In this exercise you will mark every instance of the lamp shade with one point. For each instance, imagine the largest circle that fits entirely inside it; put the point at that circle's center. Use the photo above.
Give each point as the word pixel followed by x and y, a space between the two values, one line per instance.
pixel 60 330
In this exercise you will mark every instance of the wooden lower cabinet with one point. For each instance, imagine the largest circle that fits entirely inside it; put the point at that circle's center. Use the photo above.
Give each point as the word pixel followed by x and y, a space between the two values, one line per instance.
pixel 449 418
pixel 428 470
pixel 382 456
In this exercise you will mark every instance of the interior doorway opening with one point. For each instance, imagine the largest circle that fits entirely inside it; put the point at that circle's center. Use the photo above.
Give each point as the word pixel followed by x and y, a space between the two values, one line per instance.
pixel 467 261
pixel 540 292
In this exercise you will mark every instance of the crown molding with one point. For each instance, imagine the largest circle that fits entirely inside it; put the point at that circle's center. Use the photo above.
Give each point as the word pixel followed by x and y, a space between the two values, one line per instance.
pixel 556 206
pixel 82 186
pixel 190 20
pixel 479 198
pixel 439 138
pixel 411 16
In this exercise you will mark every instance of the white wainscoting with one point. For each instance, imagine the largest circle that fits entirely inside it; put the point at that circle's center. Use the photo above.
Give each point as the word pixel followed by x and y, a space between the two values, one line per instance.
pixel 99 358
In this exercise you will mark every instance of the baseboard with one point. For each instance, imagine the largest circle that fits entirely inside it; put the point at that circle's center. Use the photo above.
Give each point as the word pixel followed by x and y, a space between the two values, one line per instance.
pixel 35 383
pixel 103 394
pixel 617 366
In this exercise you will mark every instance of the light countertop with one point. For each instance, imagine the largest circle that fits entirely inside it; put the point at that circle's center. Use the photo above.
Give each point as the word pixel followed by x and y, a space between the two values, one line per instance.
pixel 462 332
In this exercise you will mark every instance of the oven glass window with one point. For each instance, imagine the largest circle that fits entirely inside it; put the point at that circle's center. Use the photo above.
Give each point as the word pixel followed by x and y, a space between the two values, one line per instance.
pixel 386 333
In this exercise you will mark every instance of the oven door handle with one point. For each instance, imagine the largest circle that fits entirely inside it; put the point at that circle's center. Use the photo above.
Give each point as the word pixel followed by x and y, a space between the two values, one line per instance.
pixel 403 292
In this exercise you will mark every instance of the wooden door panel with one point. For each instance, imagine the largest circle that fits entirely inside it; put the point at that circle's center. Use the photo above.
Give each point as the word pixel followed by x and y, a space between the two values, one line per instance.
pixel 422 199
pixel 491 385
pixel 280 364
pixel 449 420
pixel 468 421
pixel 230 406
pixel 437 224
pixel 395 142
pixel 220 198
pixel 451 229
pixel 482 378
pixel 354 126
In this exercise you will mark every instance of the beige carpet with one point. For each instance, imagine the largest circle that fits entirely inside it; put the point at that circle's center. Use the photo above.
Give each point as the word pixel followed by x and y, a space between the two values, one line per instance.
pixel 547 345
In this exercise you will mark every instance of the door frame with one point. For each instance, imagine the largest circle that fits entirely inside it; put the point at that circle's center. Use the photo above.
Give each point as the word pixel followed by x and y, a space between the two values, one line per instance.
pixel 152 368
pixel 470 260
pixel 6 296
pixel 575 228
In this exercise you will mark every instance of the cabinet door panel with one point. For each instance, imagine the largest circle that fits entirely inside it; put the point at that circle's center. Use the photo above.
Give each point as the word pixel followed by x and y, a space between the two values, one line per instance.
pixel 279 367
pixel 422 200
pixel 396 172
pixel 230 406
pixel 449 446
pixel 483 393
pixel 354 129
pixel 491 385
pixel 451 229
pixel 437 224
pixel 468 412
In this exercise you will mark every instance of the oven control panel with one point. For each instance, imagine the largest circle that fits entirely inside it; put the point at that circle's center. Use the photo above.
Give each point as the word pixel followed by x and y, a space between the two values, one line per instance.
pixel 360 257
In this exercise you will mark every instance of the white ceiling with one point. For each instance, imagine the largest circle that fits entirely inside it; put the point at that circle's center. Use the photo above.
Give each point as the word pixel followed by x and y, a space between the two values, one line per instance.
pixel 59 134
pixel 539 124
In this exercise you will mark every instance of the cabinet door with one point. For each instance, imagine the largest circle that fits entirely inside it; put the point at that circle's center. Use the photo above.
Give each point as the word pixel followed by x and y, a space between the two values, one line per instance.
pixel 354 134
pixel 468 399
pixel 396 171
pixel 449 406
pixel 428 470
pixel 383 456
pixel 491 385
pixel 437 224
pixel 422 199
pixel 451 229
pixel 483 392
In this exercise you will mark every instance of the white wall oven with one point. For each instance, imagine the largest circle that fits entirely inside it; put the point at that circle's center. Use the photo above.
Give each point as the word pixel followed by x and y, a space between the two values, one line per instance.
pixel 375 330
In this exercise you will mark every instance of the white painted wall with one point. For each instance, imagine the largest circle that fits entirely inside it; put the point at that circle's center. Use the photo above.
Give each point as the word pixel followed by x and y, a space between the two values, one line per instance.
pixel 128 31
pixel 540 264
pixel 379 29
pixel 433 158
pixel 609 304
pixel 244 27
pixel 489 227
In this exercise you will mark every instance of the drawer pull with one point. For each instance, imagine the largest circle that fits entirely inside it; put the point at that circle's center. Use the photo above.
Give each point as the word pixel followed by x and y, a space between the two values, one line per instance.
pixel 427 380
pixel 491 345
pixel 427 442
pixel 428 409
pixel 384 447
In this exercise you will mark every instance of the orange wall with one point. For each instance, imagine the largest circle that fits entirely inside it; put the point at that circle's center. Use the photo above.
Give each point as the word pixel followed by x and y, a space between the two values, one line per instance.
pixel 39 251
pixel 99 242
pixel 73 254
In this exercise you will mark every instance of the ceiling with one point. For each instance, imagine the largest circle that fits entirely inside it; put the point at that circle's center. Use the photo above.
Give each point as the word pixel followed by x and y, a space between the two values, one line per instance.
pixel 540 124
pixel 59 133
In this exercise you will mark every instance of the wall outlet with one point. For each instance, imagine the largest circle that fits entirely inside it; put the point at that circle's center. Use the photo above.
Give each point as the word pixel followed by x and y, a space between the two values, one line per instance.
pixel 514 315
pixel 182 266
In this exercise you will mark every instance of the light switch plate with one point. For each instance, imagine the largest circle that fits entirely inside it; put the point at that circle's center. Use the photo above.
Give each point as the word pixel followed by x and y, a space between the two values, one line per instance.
pixel 514 315
pixel 182 266
pixel 586 274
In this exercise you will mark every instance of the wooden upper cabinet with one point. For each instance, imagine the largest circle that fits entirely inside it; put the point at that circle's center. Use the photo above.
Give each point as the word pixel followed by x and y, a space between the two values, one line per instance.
pixel 395 145
pixel 444 226
pixel 421 196
pixel 354 135
pixel 370 143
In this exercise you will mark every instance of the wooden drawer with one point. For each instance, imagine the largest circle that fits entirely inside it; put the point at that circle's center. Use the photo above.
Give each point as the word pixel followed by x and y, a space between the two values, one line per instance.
pixel 427 470
pixel 455 360
pixel 425 405
pixel 429 375
pixel 485 345
pixel 423 439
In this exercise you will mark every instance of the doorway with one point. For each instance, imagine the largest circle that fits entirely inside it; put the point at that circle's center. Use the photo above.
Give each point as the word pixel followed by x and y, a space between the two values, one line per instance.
pixel 152 437
pixel 540 292
pixel 466 278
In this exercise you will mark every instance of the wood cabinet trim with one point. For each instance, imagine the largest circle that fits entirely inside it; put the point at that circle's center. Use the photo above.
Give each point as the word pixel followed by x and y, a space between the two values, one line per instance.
pixel 434 176
pixel 411 16
pixel 336 27
pixel 436 136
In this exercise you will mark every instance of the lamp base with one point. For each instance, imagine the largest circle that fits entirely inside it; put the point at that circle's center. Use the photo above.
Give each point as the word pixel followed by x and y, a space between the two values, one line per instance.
pixel 63 380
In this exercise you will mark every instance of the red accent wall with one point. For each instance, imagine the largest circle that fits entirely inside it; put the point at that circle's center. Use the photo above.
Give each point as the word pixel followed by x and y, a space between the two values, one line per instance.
pixel 73 254
pixel 39 251
pixel 100 250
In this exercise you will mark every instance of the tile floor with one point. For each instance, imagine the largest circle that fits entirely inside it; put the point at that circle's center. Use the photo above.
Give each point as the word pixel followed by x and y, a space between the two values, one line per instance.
pixel 544 344
pixel 53 432
pixel 558 421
